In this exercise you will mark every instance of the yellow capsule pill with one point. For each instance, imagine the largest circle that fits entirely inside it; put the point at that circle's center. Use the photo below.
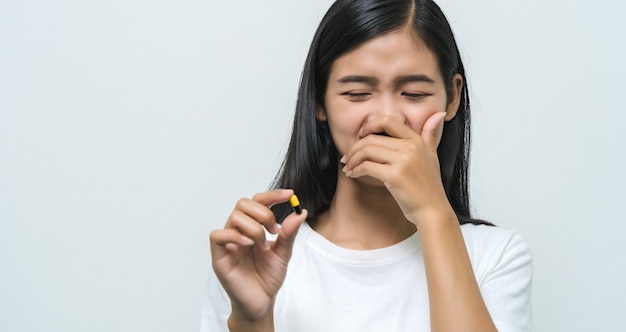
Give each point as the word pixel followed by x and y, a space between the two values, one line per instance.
pixel 295 203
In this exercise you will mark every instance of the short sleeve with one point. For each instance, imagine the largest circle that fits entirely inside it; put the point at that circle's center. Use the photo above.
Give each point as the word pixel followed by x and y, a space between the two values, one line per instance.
pixel 216 307
pixel 506 289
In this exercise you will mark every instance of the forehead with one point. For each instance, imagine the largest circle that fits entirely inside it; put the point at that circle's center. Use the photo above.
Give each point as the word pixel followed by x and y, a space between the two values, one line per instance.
pixel 396 53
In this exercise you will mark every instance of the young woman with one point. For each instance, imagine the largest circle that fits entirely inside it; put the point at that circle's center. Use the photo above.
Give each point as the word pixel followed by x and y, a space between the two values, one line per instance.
pixel 379 158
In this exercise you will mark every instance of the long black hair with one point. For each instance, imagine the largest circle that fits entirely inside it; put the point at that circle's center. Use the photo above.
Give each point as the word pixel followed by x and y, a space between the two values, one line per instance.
pixel 310 166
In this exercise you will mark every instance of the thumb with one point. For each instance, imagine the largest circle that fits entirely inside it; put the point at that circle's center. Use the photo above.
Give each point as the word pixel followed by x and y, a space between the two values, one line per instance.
pixel 287 234
pixel 433 129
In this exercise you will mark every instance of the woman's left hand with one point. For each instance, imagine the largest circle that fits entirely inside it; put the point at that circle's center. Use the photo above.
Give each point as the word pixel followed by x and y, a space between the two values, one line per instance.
pixel 406 162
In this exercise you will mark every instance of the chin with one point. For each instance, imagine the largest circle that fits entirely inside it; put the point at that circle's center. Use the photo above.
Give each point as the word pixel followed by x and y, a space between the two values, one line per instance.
pixel 370 183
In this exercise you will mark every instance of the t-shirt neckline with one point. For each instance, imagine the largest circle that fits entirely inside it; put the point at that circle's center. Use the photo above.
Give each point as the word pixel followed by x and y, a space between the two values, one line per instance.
pixel 381 256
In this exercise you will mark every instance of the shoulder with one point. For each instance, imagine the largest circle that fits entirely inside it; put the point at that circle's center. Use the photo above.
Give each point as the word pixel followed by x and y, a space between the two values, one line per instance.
pixel 489 238
pixel 494 249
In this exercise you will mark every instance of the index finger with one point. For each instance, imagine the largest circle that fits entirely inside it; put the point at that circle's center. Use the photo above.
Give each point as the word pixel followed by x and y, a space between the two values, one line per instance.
pixel 272 197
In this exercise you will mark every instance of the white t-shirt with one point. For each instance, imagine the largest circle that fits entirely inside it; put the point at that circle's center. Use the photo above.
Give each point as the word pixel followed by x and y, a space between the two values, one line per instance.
pixel 330 288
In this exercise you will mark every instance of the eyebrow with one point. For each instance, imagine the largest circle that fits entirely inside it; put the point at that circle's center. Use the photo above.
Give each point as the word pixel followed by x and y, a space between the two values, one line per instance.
pixel 413 79
pixel 359 79
pixel 399 81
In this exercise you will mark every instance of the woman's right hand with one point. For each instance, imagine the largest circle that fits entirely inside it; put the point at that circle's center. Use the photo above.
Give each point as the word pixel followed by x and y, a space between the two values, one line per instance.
pixel 250 268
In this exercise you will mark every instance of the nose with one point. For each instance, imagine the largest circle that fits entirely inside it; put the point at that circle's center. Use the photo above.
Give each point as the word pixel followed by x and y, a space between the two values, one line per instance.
pixel 387 105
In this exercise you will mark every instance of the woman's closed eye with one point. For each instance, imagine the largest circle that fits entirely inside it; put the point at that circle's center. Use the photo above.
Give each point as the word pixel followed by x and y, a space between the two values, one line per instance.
pixel 415 95
pixel 356 96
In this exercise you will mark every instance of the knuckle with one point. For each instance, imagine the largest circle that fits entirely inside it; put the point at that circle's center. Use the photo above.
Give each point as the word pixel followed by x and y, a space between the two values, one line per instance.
pixel 241 203
pixel 257 232
pixel 266 215
pixel 235 216
pixel 396 172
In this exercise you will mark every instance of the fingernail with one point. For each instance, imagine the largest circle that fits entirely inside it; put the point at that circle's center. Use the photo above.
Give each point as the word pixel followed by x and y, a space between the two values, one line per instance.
pixel 343 160
pixel 275 229
pixel 248 241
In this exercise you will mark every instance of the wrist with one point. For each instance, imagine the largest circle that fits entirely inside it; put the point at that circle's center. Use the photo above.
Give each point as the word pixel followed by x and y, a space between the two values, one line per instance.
pixel 239 322
pixel 435 216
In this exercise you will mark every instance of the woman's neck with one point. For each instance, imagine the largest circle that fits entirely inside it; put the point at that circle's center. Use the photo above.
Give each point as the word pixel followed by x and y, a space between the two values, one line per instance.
pixel 363 215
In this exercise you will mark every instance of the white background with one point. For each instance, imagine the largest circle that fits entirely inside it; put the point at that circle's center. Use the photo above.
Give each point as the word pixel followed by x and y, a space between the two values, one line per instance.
pixel 129 128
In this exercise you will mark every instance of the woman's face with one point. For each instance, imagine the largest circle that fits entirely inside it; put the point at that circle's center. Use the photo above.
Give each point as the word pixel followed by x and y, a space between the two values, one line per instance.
pixel 394 76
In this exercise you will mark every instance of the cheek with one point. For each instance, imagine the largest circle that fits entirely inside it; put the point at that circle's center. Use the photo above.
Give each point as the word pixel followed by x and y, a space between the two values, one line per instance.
pixel 345 122
pixel 344 130
pixel 416 118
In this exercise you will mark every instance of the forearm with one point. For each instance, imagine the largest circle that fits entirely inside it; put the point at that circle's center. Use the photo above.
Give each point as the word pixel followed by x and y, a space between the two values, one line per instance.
pixel 238 323
pixel 456 303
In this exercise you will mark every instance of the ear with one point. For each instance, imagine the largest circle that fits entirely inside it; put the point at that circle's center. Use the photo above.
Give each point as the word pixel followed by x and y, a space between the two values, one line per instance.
pixel 454 99
pixel 320 113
